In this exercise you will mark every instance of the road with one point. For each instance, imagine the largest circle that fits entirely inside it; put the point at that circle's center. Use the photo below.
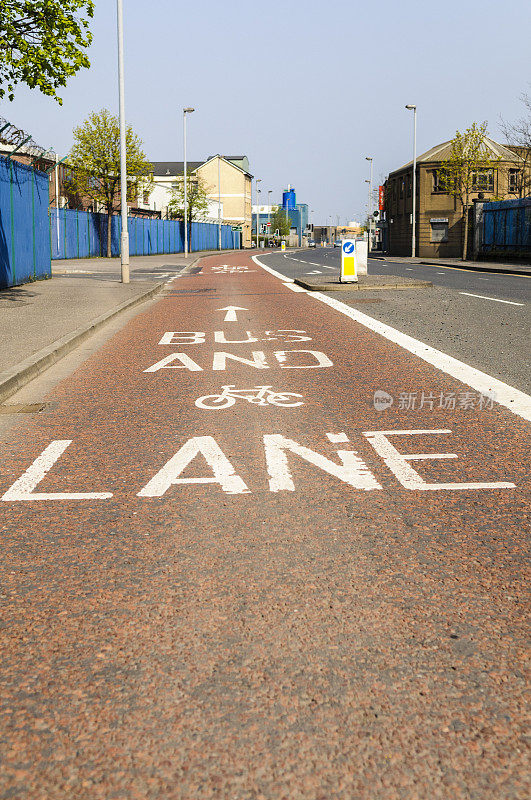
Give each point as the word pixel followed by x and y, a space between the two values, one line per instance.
pixel 216 590
pixel 492 336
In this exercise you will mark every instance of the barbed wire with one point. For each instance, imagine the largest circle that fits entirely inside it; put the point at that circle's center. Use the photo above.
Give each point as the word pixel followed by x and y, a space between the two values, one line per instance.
pixel 20 139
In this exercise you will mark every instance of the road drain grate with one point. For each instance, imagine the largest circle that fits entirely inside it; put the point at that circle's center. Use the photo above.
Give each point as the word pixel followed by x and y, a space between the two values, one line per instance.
pixel 22 408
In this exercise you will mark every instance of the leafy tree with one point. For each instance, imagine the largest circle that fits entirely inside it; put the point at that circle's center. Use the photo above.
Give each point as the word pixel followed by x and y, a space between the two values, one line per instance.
pixel 280 223
pixel 94 164
pixel 197 199
pixel 469 158
pixel 42 43
pixel 518 136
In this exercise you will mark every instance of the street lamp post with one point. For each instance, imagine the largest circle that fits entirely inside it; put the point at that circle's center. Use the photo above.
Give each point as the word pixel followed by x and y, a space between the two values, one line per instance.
pixel 257 181
pixel 124 250
pixel 219 202
pixel 185 112
pixel 269 193
pixel 413 108
pixel 369 158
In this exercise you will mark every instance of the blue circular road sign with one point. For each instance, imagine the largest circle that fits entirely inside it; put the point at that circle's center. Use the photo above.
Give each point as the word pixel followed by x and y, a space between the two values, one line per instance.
pixel 348 247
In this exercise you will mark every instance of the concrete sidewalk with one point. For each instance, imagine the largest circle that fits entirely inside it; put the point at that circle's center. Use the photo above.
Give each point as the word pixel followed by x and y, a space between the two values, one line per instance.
pixel 41 322
pixel 477 266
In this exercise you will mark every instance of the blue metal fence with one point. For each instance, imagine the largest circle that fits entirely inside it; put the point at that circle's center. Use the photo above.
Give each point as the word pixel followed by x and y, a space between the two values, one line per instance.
pixel 24 235
pixel 83 234
pixel 507 228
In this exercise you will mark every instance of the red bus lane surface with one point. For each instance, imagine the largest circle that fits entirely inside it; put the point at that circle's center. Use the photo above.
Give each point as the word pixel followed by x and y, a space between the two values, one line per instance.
pixel 252 549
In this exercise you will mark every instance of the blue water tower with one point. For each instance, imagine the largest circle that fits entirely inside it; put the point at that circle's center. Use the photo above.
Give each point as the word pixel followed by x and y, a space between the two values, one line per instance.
pixel 289 199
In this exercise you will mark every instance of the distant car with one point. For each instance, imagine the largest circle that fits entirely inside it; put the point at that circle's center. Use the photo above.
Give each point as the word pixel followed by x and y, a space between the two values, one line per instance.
pixel 337 243
pixel 311 243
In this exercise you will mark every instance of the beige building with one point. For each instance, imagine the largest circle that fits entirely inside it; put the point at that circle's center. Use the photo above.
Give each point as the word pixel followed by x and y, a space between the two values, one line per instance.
pixel 228 183
pixel 439 216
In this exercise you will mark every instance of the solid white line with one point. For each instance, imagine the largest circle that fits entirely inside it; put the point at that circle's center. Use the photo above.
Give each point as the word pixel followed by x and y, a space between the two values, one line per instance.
pixel 295 287
pixel 496 300
pixel 516 401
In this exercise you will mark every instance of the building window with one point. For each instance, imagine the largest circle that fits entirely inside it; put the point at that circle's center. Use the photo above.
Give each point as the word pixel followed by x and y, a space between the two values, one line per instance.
pixel 401 187
pixel 438 232
pixel 145 198
pixel 514 180
pixel 483 181
pixel 439 186
pixel 394 190
pixel 408 186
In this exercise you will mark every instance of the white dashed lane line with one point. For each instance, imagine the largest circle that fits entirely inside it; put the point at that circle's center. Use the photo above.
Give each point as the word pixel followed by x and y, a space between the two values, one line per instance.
pixel 496 299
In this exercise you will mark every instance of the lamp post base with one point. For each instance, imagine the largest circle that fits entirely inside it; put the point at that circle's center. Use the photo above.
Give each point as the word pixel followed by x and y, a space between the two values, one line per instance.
pixel 125 258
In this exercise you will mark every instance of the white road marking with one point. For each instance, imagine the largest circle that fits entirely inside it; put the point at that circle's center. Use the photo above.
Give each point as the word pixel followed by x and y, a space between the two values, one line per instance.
pixel 258 395
pixel 352 469
pixel 314 272
pixel 408 477
pixel 516 401
pixel 295 288
pixel 224 472
pixel 337 438
pixel 23 487
pixel 496 300
pixel 166 363
pixel 409 269
pixel 183 337
pixel 258 361
pixel 230 316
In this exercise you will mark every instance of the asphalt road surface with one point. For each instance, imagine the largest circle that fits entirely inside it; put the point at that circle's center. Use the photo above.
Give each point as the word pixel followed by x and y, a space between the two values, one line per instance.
pixel 490 335
pixel 259 546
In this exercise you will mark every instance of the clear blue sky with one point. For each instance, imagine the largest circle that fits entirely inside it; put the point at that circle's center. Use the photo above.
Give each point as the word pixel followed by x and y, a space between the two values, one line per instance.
pixel 305 89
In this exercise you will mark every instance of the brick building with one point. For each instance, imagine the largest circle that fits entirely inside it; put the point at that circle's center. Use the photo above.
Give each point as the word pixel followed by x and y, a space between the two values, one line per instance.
pixel 228 183
pixel 439 216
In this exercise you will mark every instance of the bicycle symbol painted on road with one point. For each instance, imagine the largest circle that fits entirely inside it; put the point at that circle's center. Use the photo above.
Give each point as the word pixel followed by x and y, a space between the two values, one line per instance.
pixel 258 395
pixel 226 269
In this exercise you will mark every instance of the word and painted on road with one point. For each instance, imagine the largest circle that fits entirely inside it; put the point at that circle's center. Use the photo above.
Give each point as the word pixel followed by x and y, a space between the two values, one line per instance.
pixel 418 401
pixel 279 451
pixel 199 337
pixel 230 316
pixel 258 395
pixel 349 266
pixel 288 359
pixel 225 269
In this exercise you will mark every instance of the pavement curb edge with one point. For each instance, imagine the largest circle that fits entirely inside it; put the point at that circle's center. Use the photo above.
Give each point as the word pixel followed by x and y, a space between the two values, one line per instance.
pixel 14 379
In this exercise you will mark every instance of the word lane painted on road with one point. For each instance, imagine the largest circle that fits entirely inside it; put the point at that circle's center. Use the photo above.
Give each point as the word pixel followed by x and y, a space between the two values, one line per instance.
pixel 279 451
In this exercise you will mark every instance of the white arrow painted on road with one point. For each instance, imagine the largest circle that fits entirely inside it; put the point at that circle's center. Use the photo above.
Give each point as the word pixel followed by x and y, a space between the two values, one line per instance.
pixel 230 316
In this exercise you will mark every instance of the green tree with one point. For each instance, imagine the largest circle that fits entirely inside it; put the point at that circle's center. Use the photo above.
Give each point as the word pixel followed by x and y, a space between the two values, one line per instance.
pixel 94 164
pixel 42 43
pixel 197 199
pixel 518 136
pixel 280 223
pixel 462 172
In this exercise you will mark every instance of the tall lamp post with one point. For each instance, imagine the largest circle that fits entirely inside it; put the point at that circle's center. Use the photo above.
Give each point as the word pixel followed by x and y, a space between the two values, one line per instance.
pixel 219 202
pixel 369 158
pixel 269 193
pixel 124 250
pixel 413 108
pixel 257 181
pixel 185 112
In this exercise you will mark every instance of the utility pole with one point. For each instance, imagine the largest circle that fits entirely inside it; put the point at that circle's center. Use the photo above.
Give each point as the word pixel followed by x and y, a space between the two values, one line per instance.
pixel 257 181
pixel 57 199
pixel 411 107
pixel 124 250
pixel 185 112
pixel 219 202
pixel 369 158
